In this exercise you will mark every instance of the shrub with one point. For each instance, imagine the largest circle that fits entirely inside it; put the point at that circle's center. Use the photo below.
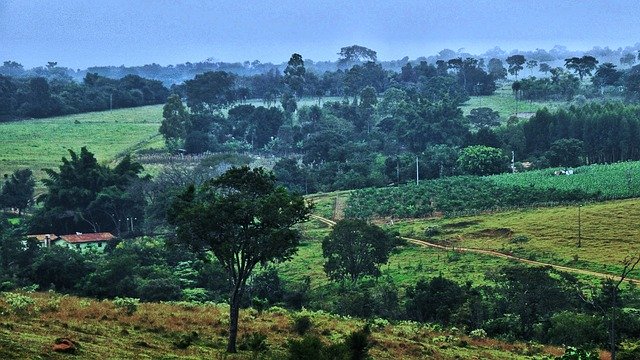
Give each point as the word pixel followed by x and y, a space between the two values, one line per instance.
pixel 478 334
pixel 129 305
pixel 254 342
pixel 301 325
pixel 519 239
pixel 433 231
pixel 195 295
pixel 185 340
pixel 629 351
pixel 578 354
pixel 20 304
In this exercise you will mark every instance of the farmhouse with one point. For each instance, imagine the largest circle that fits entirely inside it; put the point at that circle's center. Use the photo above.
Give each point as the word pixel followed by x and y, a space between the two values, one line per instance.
pixel 84 242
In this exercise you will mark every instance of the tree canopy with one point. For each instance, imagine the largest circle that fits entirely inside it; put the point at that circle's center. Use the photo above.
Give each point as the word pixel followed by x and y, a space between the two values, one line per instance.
pixel 355 249
pixel 244 219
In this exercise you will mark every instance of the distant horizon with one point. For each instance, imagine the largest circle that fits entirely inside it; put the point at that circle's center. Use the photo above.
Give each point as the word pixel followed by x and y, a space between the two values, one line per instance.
pixel 381 58
pixel 79 34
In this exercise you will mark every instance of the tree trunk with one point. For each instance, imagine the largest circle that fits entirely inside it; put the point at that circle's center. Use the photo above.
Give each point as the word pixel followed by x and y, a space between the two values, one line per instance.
pixel 234 312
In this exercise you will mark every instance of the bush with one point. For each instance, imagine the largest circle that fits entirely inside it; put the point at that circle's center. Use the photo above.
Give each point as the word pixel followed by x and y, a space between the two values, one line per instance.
pixel 195 295
pixel 478 334
pixel 519 239
pixel 164 289
pixel 629 351
pixel 20 304
pixel 579 354
pixel 432 231
pixel 254 342
pixel 185 340
pixel 301 325
pixel 129 305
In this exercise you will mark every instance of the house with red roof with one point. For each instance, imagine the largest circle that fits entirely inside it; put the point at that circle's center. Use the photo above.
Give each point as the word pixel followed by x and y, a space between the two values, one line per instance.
pixel 82 242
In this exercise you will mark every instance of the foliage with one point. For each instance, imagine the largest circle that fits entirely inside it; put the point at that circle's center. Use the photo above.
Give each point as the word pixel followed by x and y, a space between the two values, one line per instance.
pixel 355 249
pixel 129 305
pixel 86 196
pixel 573 353
pixel 244 220
pixel 17 191
pixel 210 91
pixel 39 97
pixel 19 304
pixel 301 325
pixel 435 300
pixel 481 160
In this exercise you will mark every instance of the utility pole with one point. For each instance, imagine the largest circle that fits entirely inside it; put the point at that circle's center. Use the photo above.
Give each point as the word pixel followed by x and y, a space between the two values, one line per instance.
pixel 110 102
pixel 397 171
pixel 579 227
pixel 417 171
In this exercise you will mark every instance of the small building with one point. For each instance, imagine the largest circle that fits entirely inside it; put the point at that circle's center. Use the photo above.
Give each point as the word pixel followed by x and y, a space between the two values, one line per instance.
pixel 44 240
pixel 83 242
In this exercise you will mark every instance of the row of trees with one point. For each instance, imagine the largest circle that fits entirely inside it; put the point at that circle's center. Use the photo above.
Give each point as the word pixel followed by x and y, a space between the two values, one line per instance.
pixel 38 97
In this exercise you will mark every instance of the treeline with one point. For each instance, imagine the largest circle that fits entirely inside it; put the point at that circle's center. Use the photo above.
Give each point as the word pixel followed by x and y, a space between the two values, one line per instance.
pixel 38 97
pixel 594 133
pixel 176 74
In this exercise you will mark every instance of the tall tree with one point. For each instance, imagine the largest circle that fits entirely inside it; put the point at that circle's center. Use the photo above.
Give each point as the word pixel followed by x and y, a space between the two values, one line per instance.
pixel 17 191
pixel 210 91
pixel 355 249
pixel 244 219
pixel 354 54
pixel 294 74
pixel 581 66
pixel 496 69
pixel 82 194
pixel 515 64
pixel 175 120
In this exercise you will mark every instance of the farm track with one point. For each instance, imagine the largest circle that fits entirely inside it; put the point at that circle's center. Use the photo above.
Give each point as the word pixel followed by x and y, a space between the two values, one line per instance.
pixel 500 255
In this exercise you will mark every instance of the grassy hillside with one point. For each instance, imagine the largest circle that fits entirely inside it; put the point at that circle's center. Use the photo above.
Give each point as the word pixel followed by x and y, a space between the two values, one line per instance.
pixel 156 331
pixel 38 144
pixel 609 232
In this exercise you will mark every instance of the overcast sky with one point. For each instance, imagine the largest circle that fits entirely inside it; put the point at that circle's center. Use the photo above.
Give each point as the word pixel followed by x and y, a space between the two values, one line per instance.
pixel 82 33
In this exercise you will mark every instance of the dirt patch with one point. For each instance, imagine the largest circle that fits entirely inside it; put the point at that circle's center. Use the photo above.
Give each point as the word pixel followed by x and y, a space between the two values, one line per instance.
pixel 496 232
pixel 461 224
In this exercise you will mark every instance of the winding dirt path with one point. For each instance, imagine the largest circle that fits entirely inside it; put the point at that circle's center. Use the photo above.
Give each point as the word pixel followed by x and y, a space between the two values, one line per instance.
pixel 500 255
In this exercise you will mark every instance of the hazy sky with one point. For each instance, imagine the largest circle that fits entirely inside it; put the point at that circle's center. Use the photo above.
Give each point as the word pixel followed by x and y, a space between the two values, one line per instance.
pixel 81 33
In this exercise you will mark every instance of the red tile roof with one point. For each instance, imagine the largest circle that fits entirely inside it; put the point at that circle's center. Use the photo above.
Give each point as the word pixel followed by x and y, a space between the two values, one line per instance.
pixel 83 238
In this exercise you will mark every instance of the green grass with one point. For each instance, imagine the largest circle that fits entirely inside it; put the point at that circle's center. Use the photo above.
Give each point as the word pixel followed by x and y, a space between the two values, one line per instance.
pixel 609 233
pixel 38 144
pixel 505 103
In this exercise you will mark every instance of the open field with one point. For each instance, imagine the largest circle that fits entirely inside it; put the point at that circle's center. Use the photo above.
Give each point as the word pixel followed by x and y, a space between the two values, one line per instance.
pixel 38 144
pixel 608 233
pixel 154 331
pixel 505 104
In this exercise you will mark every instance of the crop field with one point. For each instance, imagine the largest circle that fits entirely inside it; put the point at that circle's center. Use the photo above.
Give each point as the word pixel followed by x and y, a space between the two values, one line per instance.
pixel 505 104
pixel 469 194
pixel 612 181
pixel 38 144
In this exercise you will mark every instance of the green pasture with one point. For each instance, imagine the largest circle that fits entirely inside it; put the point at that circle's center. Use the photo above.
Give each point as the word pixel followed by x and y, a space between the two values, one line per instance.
pixel 608 232
pixel 41 143
pixel 504 102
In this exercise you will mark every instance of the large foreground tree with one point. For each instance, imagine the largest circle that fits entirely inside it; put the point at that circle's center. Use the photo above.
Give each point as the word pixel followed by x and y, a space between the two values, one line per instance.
pixel 244 219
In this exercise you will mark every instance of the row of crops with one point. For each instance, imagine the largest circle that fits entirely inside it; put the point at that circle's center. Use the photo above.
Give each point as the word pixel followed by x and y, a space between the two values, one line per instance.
pixel 470 194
